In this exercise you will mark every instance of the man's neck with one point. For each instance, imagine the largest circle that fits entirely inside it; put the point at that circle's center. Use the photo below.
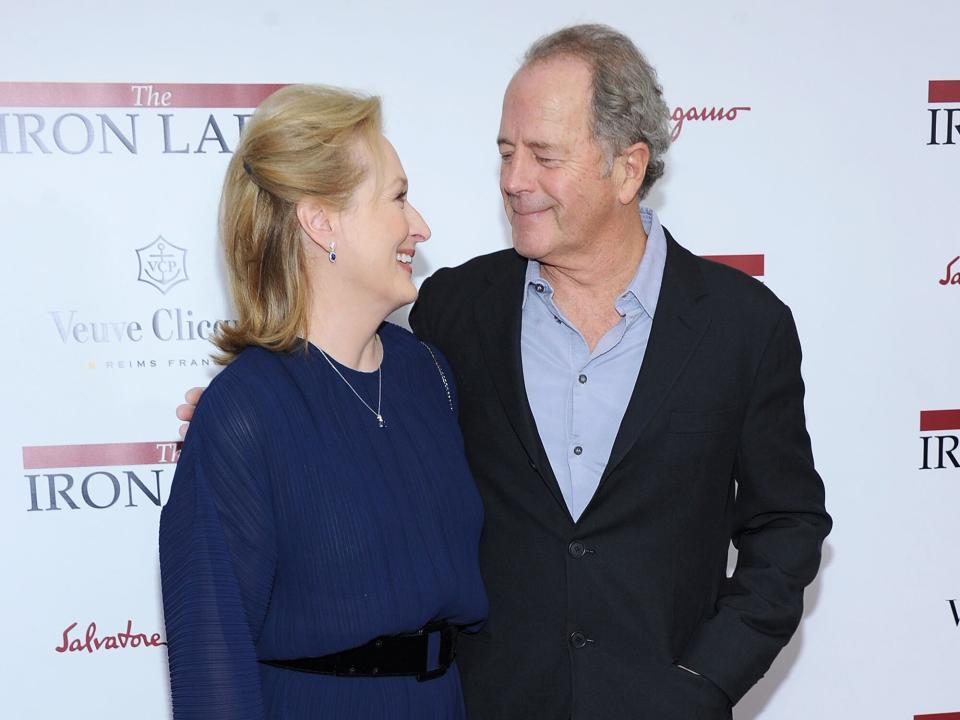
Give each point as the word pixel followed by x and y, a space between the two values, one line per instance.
pixel 599 274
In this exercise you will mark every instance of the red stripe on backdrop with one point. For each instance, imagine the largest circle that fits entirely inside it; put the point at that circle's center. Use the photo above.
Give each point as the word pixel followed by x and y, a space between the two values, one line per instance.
pixel 932 420
pixel 145 95
pixel 750 264
pixel 108 454
pixel 938 716
pixel 942 91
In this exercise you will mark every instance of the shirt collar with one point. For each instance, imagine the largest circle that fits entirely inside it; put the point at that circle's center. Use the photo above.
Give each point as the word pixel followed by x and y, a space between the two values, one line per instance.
pixel 646 282
pixel 534 282
pixel 643 289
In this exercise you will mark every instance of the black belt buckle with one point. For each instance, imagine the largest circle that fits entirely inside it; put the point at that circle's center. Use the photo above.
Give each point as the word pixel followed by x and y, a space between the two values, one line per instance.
pixel 448 649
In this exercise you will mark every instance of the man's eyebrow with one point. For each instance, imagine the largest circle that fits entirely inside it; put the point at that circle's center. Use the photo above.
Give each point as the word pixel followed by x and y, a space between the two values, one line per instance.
pixel 543 146
pixel 535 145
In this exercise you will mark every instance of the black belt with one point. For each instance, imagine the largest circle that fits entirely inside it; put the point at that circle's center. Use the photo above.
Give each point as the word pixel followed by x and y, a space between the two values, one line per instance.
pixel 386 656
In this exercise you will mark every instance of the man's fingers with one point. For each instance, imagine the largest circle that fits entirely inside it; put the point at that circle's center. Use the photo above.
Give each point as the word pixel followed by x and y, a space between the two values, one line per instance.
pixel 185 411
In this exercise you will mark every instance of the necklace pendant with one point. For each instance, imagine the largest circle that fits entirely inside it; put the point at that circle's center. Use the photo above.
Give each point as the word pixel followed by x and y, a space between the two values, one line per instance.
pixel 380 421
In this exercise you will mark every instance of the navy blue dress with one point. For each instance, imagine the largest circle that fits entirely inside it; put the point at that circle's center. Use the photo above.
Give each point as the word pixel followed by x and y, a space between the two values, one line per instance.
pixel 296 527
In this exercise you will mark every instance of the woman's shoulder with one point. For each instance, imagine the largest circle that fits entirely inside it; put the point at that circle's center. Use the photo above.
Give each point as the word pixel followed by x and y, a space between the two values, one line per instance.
pixel 403 344
pixel 248 365
pixel 420 359
pixel 248 384
pixel 393 333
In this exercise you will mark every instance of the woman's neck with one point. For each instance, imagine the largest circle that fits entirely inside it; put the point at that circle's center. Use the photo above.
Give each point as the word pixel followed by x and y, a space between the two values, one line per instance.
pixel 348 334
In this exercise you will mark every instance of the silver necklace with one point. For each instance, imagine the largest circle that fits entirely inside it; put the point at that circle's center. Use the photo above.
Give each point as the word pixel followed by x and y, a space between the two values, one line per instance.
pixel 376 412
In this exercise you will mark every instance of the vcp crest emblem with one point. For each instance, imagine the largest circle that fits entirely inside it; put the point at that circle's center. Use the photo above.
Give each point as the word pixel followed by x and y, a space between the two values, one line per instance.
pixel 162 264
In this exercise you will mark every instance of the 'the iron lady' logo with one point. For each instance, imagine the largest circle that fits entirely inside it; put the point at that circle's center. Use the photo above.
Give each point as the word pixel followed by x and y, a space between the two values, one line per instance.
pixel 162 264
pixel 941 447
pixel 941 93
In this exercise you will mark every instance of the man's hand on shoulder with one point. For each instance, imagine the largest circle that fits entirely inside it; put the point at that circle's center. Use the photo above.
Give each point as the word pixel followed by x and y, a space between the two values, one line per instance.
pixel 185 411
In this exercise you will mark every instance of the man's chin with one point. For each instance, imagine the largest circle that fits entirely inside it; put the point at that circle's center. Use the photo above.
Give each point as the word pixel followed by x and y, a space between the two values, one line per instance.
pixel 530 247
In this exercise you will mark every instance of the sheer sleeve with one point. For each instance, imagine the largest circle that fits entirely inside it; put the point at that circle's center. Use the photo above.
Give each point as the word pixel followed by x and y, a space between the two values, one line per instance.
pixel 217 560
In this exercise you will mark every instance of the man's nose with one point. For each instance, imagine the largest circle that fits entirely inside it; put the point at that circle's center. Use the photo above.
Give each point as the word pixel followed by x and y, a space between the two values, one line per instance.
pixel 516 174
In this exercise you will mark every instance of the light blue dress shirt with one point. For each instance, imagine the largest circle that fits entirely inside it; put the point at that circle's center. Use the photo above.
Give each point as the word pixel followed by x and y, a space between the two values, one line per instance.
pixel 578 397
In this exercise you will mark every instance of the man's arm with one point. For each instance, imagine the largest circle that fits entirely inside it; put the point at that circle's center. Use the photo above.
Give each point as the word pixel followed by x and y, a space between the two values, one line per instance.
pixel 780 522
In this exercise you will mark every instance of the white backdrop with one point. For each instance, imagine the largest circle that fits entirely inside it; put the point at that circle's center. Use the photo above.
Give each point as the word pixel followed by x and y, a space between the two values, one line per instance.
pixel 829 176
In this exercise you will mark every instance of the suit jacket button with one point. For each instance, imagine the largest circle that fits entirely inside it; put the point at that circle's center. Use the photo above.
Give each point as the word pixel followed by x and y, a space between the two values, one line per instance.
pixel 576 549
pixel 578 640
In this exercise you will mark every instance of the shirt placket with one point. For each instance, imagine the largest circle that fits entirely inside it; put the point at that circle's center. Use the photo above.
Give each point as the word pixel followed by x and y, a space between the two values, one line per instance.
pixel 578 445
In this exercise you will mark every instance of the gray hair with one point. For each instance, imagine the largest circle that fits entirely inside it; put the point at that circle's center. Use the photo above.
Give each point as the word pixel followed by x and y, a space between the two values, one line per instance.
pixel 628 104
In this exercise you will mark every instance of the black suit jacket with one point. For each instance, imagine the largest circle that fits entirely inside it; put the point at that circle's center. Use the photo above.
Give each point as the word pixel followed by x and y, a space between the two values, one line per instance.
pixel 588 619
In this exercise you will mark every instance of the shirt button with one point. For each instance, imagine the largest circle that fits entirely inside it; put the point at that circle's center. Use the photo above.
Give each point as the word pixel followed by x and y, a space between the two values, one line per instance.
pixel 578 640
pixel 578 450
pixel 538 287
pixel 582 379
pixel 576 549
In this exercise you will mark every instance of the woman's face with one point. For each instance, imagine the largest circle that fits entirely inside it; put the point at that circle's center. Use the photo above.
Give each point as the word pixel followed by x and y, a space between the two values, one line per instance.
pixel 379 231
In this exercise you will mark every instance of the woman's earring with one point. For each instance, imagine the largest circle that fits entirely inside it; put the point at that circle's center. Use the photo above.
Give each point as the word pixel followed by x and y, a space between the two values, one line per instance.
pixel 332 252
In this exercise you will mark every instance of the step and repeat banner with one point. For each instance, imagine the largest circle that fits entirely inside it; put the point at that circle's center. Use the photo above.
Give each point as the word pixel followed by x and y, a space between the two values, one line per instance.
pixel 816 147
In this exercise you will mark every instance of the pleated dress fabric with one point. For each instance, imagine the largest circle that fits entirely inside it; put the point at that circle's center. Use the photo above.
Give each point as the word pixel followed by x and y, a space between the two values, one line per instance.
pixel 297 527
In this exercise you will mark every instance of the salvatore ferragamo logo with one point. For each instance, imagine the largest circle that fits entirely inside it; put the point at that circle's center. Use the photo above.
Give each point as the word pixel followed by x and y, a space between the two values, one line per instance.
pixel 91 642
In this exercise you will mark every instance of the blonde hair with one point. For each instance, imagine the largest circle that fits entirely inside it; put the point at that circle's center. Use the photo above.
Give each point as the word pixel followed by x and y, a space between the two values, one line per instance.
pixel 301 142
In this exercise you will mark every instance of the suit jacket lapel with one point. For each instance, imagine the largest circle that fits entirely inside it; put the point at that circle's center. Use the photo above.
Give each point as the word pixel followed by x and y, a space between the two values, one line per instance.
pixel 498 318
pixel 680 321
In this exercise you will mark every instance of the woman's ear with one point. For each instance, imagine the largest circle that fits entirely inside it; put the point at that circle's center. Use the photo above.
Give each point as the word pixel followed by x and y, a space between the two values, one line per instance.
pixel 314 220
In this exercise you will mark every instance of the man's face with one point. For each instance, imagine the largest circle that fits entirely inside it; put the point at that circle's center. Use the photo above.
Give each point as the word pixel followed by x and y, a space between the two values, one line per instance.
pixel 552 170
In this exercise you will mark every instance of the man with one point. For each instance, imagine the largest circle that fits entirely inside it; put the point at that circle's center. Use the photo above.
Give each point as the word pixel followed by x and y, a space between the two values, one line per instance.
pixel 627 410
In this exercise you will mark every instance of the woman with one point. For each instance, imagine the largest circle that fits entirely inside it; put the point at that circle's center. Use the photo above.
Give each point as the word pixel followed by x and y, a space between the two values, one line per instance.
pixel 319 548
